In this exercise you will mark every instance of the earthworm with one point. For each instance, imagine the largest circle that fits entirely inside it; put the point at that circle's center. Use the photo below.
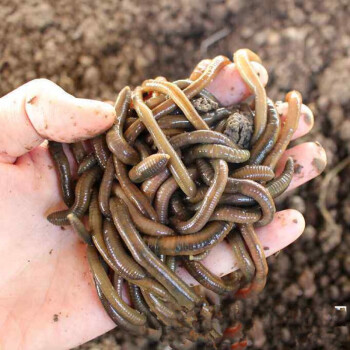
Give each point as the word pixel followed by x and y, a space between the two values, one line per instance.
pixel 220 126
pixel 202 190
pixel 118 282
pixel 95 223
pixel 115 139
pixel 139 304
pixel 236 199
pixel 164 194
pixel 143 255
pixel 157 93
pixel 142 148
pixel 101 150
pixel 61 163
pixel 83 191
pixel 116 317
pixel 207 279
pixel 105 188
pixel 168 319
pixel 254 172
pixel 129 121
pixel 199 69
pixel 257 253
pixel 192 90
pixel 244 261
pixel 216 151
pixel 148 167
pixel 131 190
pixel 242 59
pixel 176 166
pixel 245 187
pixel 266 142
pixel 174 122
pixel 278 185
pixel 125 266
pixel 287 130
pixel 87 163
pixel 237 215
pixel 78 151
pixel 171 262
pixel 201 136
pixel 200 256
pixel 79 228
pixel 181 122
pixel 141 222
pixel 191 244
pixel 99 274
pixel 209 202
pixel 150 186
pixel 177 208
pixel 259 193
pixel 180 99
pixel 171 132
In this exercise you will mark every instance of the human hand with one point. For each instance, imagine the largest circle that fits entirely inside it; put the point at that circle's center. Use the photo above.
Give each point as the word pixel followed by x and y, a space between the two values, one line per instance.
pixel 47 296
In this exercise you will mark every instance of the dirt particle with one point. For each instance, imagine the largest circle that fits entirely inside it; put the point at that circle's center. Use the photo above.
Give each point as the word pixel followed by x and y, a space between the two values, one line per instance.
pixel 50 167
pixel 295 221
pixel 318 164
pixel 32 100
pixel 50 252
pixel 308 119
pixel 298 168
pixel 266 248
pixel 55 318
pixel 63 228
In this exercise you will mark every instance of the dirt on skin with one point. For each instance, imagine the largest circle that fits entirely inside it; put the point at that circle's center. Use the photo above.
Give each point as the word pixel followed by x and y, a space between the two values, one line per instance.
pixel 94 48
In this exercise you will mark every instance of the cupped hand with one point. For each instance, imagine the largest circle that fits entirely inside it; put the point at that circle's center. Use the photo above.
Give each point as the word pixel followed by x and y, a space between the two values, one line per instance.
pixel 47 296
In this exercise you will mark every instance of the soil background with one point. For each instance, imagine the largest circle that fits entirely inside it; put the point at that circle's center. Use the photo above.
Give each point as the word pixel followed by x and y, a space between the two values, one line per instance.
pixel 94 48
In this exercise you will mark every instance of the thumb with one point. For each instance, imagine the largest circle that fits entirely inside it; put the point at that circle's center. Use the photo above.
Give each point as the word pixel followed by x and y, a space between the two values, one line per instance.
pixel 41 110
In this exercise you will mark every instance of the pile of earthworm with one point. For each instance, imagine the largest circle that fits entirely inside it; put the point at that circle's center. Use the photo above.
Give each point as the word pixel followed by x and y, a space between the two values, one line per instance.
pixel 168 182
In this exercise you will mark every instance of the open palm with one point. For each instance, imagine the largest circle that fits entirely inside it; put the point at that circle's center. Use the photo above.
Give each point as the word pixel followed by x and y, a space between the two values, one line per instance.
pixel 47 296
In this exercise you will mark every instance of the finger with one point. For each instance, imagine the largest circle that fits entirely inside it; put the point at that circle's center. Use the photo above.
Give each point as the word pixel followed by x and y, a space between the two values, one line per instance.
pixel 42 110
pixel 306 121
pixel 309 161
pixel 286 227
pixel 228 86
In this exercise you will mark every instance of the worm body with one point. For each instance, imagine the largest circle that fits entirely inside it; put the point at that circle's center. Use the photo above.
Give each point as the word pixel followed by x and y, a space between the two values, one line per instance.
pixel 242 59
pixel 190 244
pixel 83 191
pixel 62 165
pixel 266 142
pixel 79 228
pixel 254 172
pixel 105 188
pixel 278 185
pixel 115 139
pixel 149 167
pixel 101 150
pixel 87 163
pixel 287 130
pixel 78 151
pixel 215 151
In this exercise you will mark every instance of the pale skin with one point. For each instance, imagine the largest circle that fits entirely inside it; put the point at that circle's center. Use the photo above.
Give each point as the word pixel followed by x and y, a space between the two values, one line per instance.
pixel 47 296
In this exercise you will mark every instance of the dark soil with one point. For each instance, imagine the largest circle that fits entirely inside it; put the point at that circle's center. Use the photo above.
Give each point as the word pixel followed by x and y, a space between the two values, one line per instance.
pixel 93 48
